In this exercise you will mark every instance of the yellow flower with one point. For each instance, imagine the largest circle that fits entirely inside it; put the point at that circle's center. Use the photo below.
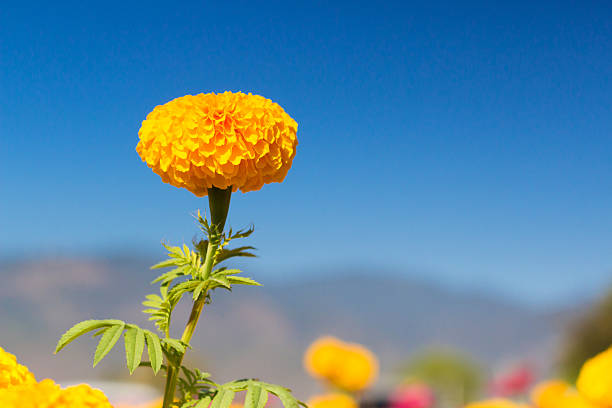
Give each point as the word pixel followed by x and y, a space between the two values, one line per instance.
pixel 334 400
pixel 348 366
pixel 496 403
pixel 47 394
pixel 218 140
pixel 11 372
pixel 31 395
pixel 549 394
pixel 80 396
pixel 558 394
pixel 321 358
pixel 595 379
pixel 359 369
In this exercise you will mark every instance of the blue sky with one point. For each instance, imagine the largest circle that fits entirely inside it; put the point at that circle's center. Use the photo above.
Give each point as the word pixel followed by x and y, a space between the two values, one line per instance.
pixel 469 145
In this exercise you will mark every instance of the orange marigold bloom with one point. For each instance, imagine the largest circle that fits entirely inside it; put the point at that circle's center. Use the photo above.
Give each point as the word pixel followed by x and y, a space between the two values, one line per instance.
pixel 333 400
pixel 11 372
pixel 218 140
pixel 348 366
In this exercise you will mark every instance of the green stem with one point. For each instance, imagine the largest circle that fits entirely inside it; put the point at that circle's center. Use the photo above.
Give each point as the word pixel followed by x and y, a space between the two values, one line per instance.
pixel 218 201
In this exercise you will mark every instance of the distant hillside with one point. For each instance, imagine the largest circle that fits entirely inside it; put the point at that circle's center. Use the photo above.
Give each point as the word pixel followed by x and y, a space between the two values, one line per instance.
pixel 267 328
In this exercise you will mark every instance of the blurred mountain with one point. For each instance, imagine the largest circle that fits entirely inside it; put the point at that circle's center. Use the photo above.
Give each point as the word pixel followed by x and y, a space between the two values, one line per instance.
pixel 264 331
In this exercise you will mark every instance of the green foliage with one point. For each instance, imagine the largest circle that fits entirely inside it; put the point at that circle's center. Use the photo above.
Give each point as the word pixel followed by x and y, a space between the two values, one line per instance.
pixel 187 264
pixel 134 347
pixel 155 350
pixel 587 336
pixel 195 272
pixel 110 336
pixel 222 395
pixel 160 309
pixel 110 331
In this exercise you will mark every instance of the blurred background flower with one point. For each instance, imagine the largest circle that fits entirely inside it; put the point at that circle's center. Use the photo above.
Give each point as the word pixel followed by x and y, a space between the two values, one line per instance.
pixel 412 395
pixel 513 381
pixel 332 400
pixel 347 366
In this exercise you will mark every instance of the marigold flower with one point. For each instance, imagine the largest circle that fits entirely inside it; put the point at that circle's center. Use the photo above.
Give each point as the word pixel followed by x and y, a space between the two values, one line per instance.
pixel 358 370
pixel 218 140
pixel 11 372
pixel 496 403
pixel 559 394
pixel 333 400
pixel 549 393
pixel 321 357
pixel 81 396
pixel 595 379
pixel 30 395
pixel 47 394
pixel 350 367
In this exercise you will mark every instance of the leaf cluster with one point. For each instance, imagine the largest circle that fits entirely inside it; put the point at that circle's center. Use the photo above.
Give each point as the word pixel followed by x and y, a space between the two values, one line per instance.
pixel 196 272
pixel 110 331
pixel 188 271
pixel 222 395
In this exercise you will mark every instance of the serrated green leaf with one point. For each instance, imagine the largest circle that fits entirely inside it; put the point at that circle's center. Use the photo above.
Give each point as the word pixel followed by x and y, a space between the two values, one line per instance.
pixel 108 341
pixel 256 396
pixel 225 272
pixel 241 280
pixel 155 350
pixel 134 347
pixel 225 254
pixel 175 344
pixel 223 398
pixel 221 280
pixel 82 328
pixel 284 394
pixel 242 233
pixel 164 264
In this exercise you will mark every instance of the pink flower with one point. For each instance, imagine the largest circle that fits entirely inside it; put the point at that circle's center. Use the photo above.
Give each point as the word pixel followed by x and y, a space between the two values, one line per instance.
pixel 513 382
pixel 412 396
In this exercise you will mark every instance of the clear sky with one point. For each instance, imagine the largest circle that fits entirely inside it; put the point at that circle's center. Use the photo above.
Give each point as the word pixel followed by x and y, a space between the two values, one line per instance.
pixel 468 144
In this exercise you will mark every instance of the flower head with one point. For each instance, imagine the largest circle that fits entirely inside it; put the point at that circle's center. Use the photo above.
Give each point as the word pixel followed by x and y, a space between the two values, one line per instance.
pixel 549 393
pixel 81 396
pixel 333 400
pixel 11 372
pixel 47 394
pixel 348 366
pixel 595 379
pixel 31 395
pixel 558 394
pixel 218 140
pixel 496 403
